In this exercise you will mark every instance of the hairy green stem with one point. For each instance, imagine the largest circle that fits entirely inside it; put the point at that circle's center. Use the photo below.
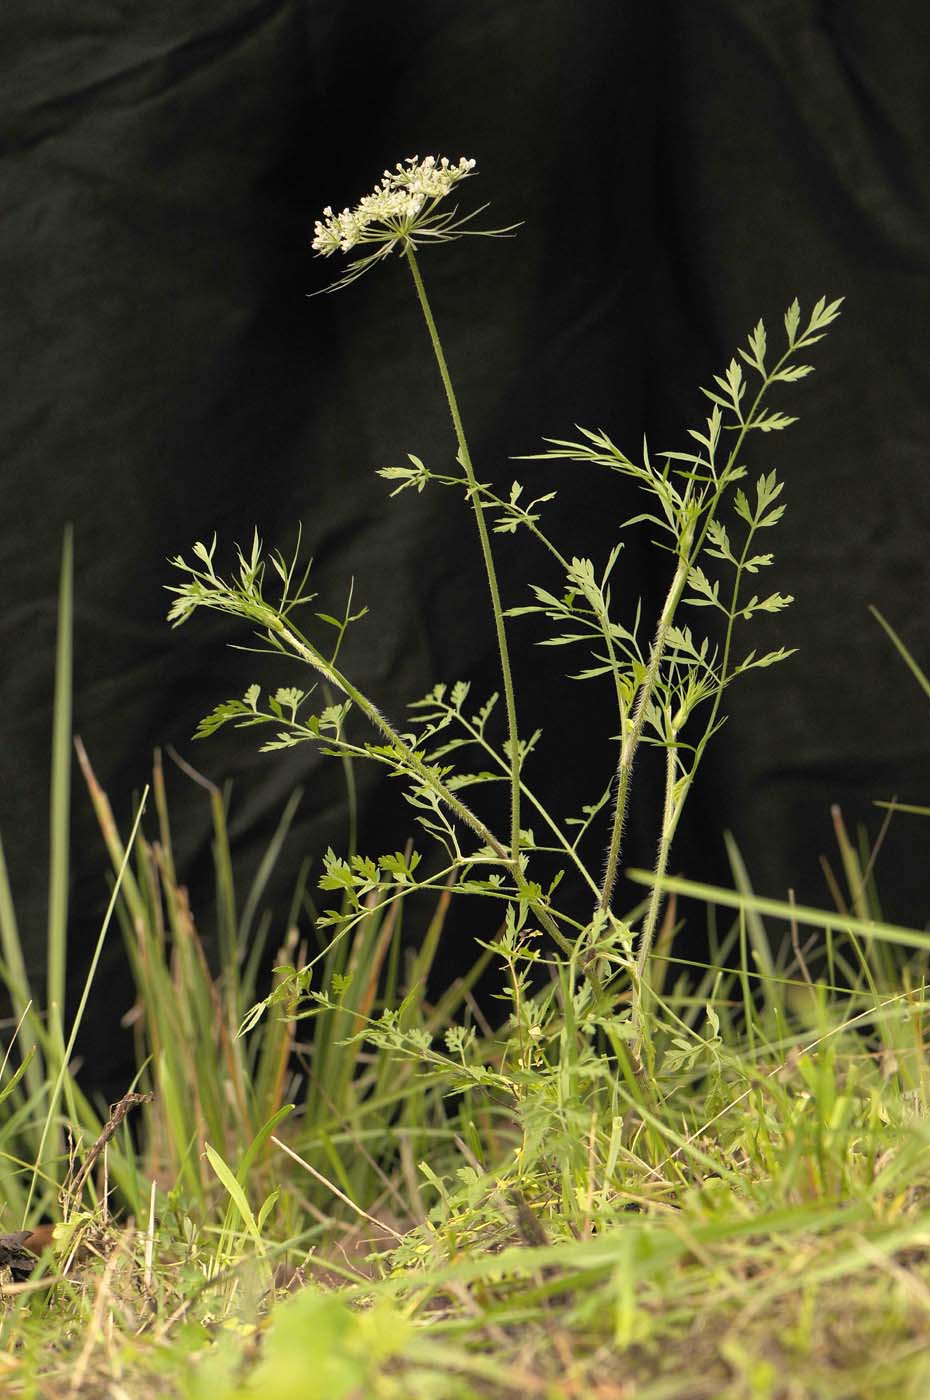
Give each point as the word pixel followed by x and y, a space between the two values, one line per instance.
pixel 630 740
pixel 670 811
pixel 496 607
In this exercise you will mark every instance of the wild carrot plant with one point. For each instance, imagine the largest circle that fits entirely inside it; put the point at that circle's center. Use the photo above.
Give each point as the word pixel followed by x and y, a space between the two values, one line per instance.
pixel 667 679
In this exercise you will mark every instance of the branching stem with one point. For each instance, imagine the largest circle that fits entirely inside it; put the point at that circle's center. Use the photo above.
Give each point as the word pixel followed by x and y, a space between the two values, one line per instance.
pixel 688 551
pixel 300 647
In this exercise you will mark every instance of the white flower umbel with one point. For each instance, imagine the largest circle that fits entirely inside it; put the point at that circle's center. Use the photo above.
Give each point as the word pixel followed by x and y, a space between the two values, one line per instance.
pixel 399 214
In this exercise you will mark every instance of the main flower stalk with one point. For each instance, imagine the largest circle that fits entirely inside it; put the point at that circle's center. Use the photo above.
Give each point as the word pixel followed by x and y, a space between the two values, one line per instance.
pixel 464 457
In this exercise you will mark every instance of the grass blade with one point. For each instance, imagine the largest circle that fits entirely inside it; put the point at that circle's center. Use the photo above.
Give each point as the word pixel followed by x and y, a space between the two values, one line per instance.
pixel 781 909
pixel 922 679
pixel 60 794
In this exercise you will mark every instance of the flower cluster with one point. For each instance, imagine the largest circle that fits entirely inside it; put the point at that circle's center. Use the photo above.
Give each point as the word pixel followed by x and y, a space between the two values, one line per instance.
pixel 394 206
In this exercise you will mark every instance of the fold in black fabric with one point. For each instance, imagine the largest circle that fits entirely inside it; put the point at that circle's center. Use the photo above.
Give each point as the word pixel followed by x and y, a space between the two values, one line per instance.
pixel 679 171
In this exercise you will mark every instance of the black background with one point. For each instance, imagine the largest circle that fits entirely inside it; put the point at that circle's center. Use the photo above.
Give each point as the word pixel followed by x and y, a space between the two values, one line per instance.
pixel 680 169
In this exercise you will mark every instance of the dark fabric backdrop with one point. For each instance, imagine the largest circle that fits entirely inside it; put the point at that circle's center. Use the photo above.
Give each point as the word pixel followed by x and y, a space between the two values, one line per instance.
pixel 680 170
